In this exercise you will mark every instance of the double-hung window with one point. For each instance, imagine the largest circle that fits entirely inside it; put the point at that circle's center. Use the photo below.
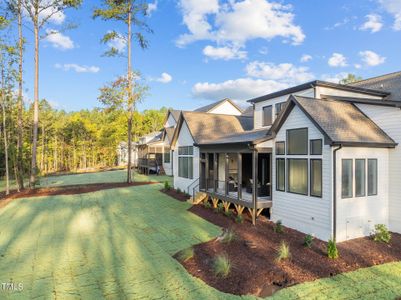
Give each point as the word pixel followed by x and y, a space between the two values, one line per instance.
pixel 267 115
pixel 167 157
pixel 347 178
pixel 316 177
pixel 279 107
pixel 360 177
pixel 280 174
pixel 298 176
pixel 372 177
pixel 185 162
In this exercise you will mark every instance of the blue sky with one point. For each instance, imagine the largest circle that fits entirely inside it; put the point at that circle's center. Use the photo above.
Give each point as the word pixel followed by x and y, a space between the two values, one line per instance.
pixel 205 50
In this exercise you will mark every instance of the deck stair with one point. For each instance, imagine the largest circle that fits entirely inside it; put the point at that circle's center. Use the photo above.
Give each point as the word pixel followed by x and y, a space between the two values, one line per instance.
pixel 199 198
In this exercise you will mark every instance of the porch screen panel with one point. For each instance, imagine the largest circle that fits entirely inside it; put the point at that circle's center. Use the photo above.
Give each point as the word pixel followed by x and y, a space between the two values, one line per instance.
pixel 316 175
pixel 372 177
pixel 346 178
pixel 360 177
pixel 280 170
pixel 297 141
pixel 298 176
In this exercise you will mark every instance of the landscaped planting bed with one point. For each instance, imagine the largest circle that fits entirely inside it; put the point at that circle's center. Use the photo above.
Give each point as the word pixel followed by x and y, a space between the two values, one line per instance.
pixel 253 255
pixel 180 196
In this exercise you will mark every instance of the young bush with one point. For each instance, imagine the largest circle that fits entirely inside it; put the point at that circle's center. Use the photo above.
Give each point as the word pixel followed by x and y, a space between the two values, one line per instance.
pixel 207 204
pixel 332 251
pixel 178 191
pixel 228 236
pixel 239 219
pixel 278 228
pixel 220 207
pixel 283 252
pixel 185 254
pixel 222 266
pixel 308 241
pixel 228 213
pixel 381 234
pixel 167 186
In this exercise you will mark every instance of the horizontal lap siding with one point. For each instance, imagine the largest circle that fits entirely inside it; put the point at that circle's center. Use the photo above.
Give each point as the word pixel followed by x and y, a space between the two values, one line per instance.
pixel 389 119
pixel 304 213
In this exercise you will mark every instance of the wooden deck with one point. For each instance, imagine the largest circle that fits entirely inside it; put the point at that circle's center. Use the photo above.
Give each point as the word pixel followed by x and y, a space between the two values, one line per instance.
pixel 246 200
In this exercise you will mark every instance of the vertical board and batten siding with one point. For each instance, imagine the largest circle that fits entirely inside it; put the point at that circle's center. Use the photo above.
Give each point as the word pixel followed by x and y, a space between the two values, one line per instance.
pixel 357 216
pixel 327 91
pixel 258 113
pixel 308 214
pixel 389 119
pixel 225 108
pixel 185 139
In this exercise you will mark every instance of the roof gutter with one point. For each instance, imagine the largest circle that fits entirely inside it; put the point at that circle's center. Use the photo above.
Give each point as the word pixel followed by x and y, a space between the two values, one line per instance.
pixel 335 191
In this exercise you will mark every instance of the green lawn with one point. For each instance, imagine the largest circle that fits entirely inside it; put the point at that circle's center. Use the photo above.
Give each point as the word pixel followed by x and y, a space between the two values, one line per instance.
pixel 117 244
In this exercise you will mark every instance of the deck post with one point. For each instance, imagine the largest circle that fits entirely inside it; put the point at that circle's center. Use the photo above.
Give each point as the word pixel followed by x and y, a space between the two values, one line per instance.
pixel 255 184
pixel 239 176
pixel 215 174
pixel 226 162
pixel 207 171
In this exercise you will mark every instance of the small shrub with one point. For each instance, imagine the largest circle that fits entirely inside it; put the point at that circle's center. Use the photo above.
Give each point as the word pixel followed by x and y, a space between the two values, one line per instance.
pixel 185 254
pixel 228 213
pixel 381 234
pixel 220 207
pixel 283 252
pixel 207 204
pixel 228 236
pixel 308 240
pixel 278 228
pixel 332 251
pixel 178 191
pixel 167 186
pixel 239 219
pixel 222 266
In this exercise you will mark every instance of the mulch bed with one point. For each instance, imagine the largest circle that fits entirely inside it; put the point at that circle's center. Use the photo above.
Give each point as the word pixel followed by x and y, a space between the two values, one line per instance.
pixel 67 190
pixel 174 194
pixel 253 256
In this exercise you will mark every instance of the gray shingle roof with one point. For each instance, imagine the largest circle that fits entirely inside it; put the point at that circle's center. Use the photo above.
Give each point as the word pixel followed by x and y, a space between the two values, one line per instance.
pixel 243 137
pixel 170 133
pixel 176 114
pixel 388 83
pixel 342 122
pixel 209 127
pixel 209 107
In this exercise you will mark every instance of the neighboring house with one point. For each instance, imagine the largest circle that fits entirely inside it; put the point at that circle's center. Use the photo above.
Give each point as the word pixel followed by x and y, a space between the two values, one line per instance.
pixel 322 157
pixel 150 153
pixel 223 107
pixel 122 154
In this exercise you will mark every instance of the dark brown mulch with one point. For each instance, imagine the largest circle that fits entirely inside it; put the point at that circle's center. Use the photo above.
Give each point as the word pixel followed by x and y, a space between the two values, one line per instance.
pixel 253 256
pixel 174 194
pixel 68 190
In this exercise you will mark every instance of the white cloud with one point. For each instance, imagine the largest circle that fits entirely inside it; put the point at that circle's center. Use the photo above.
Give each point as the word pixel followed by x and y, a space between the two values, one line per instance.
pixel 373 23
pixel 336 78
pixel 393 7
pixel 224 23
pixel 164 78
pixel 59 40
pixel 51 13
pixel 118 43
pixel 152 7
pixel 371 58
pixel 225 53
pixel 262 78
pixel 306 58
pixel 337 60
pixel 78 68
pixel 284 72
pixel 338 24
pixel 238 89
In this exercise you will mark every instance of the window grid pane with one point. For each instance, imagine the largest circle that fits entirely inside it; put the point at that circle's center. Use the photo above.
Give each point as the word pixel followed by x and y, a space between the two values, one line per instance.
pixel 347 178
pixel 316 147
pixel 280 148
pixel 298 176
pixel 297 141
pixel 360 178
pixel 372 177
pixel 267 115
pixel 316 177
pixel 280 174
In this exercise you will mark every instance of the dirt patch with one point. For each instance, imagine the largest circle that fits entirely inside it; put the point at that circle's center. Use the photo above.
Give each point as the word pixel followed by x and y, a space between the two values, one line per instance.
pixel 174 194
pixel 67 190
pixel 253 254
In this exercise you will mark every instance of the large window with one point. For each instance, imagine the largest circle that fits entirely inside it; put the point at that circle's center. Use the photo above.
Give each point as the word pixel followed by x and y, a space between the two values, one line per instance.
pixel 279 108
pixel 280 148
pixel 360 177
pixel 347 178
pixel 372 177
pixel 298 176
pixel 166 154
pixel 297 141
pixel 316 147
pixel 267 115
pixel 316 177
pixel 280 174
pixel 185 162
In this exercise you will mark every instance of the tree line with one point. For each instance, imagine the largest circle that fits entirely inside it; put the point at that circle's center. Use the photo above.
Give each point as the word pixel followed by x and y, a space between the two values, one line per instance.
pixel 38 139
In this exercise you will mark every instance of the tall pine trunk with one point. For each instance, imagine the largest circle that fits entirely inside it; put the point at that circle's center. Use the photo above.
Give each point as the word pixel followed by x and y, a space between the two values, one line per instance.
pixel 34 170
pixel 19 165
pixel 3 105
pixel 130 112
